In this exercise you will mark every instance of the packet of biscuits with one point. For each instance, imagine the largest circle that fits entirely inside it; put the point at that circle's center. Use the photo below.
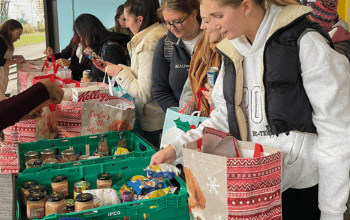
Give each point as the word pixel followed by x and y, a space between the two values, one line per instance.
pixel 162 171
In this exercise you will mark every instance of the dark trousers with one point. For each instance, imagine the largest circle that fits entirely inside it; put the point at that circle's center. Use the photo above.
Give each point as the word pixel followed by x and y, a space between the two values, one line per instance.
pixel 300 204
pixel 153 137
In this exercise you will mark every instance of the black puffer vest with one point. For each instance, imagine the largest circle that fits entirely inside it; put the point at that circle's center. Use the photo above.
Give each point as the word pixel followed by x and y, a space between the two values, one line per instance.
pixel 287 106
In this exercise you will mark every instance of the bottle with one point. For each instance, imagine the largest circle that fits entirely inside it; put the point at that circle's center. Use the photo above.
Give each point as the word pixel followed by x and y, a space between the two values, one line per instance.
pixel 121 146
pixel 25 189
pixel 122 142
pixel 103 146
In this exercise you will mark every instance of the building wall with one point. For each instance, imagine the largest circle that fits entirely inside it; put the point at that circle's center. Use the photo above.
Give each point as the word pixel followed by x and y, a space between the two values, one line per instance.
pixel 68 10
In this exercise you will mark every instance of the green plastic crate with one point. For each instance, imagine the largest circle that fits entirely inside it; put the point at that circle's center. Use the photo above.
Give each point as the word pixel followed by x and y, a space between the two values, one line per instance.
pixel 170 206
pixel 132 139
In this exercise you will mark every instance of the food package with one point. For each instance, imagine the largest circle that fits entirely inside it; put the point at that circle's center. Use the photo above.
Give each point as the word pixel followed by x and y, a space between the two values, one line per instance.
pixel 93 94
pixel 104 197
pixel 142 187
pixel 164 170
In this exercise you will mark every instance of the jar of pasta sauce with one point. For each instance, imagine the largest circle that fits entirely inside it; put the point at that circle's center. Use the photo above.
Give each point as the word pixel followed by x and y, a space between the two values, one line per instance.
pixel 60 184
pixel 36 206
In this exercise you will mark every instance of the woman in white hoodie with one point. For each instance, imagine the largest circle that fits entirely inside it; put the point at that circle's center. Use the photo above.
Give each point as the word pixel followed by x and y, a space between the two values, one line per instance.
pixel 141 18
pixel 296 98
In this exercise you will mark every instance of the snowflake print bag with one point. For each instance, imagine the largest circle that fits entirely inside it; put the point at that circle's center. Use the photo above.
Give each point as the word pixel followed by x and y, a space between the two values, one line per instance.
pixel 245 186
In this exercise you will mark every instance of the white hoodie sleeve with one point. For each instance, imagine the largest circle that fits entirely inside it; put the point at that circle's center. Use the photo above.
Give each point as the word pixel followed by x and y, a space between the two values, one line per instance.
pixel 217 120
pixel 325 75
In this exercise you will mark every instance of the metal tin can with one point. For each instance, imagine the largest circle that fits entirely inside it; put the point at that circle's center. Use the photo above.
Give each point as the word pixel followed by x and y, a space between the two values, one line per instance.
pixel 86 74
pixel 127 196
pixel 212 74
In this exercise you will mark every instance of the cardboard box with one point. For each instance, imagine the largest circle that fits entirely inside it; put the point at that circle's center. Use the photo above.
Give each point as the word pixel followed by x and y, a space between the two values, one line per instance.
pixel 90 94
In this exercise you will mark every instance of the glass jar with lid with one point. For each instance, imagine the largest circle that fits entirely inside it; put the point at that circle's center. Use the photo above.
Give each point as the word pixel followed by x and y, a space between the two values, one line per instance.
pixel 70 205
pixel 36 206
pixel 30 163
pixel 84 201
pixel 31 155
pixel 37 189
pixel 80 187
pixel 60 184
pixel 47 154
pixel 37 163
pixel 25 189
pixel 50 161
pixel 104 180
pixel 68 156
pixel 55 204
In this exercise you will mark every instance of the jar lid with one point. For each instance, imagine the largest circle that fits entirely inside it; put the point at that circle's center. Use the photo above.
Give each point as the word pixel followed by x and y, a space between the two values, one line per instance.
pixel 59 178
pixel 49 161
pixel 55 197
pixel 38 163
pixel 81 184
pixel 31 162
pixel 35 196
pixel 47 151
pixel 84 157
pixel 70 202
pixel 31 153
pixel 104 176
pixel 28 184
pixel 37 189
pixel 68 152
pixel 84 197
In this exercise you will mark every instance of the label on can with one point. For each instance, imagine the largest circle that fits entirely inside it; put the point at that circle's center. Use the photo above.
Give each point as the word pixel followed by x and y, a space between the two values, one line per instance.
pixel 212 74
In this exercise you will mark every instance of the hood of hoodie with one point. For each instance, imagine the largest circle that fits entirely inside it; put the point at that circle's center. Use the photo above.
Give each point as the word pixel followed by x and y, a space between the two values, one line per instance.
pixel 120 38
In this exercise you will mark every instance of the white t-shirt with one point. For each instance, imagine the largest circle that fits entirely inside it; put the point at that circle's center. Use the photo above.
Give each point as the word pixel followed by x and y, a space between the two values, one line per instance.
pixel 191 43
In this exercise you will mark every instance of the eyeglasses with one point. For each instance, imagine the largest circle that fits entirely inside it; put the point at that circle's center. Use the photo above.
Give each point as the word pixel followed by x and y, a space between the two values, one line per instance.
pixel 176 24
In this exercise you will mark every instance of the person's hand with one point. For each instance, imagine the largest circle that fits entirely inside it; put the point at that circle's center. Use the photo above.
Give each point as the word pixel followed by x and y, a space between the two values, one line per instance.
pixel 48 51
pixel 166 155
pixel 112 69
pixel 207 94
pixel 63 62
pixel 84 80
pixel 18 58
pixel 55 92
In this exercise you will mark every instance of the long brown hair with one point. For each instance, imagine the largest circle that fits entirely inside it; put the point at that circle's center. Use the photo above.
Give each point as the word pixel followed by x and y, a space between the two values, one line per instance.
pixel 184 6
pixel 117 27
pixel 90 29
pixel 6 28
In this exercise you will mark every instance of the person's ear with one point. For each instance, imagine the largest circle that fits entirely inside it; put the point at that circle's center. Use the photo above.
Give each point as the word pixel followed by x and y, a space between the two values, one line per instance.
pixel 247 7
pixel 194 13
pixel 139 19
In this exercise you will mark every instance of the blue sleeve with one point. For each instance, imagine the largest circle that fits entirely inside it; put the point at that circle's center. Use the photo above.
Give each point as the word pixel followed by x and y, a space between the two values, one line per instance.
pixel 161 89
pixel 3 49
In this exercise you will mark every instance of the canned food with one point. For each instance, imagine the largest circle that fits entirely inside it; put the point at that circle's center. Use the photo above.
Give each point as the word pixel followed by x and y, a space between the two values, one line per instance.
pixel 212 74
pixel 86 74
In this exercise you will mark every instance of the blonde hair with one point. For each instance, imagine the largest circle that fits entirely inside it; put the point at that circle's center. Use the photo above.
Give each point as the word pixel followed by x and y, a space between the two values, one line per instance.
pixel 236 3
pixel 204 50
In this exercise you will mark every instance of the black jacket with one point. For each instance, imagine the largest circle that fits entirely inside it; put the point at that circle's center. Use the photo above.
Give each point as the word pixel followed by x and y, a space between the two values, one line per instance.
pixel 171 63
pixel 3 49
pixel 112 49
pixel 77 68
pixel 282 82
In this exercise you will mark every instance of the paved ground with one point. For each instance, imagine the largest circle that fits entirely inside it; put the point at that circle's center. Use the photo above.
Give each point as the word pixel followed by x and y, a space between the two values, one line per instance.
pixel 30 52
